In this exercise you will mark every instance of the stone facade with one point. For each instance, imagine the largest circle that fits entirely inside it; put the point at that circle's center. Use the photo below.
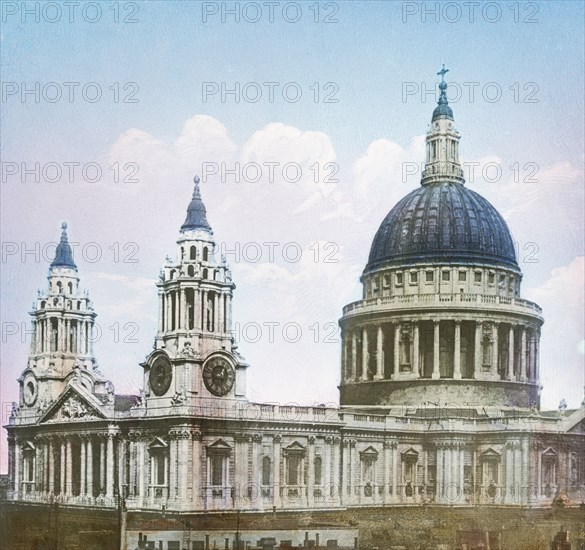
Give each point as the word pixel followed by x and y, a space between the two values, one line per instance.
pixel 439 394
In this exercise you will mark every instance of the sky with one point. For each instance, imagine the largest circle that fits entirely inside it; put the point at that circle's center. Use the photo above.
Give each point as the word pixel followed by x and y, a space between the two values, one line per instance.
pixel 306 123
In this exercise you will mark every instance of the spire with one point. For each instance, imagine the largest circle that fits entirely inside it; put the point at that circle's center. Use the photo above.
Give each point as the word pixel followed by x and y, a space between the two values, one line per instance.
pixel 63 254
pixel 442 143
pixel 196 213
pixel 443 109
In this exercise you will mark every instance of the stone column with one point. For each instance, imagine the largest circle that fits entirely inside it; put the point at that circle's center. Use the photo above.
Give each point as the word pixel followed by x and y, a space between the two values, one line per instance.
pixel 51 469
pixel 197 467
pixel 436 351
pixel 161 311
pixel 220 319
pixel 365 354
pixel 496 350
pixel 415 351
pixel 439 477
pixel 395 471
pixel 537 355
pixel 396 349
pixel 353 355
pixel 197 301
pixel 177 308
pixel 141 471
pixel 66 337
pixel 477 352
pixel 183 321
pixel 510 372
pixel 102 466
pixel 457 351
pixel 62 468
pixel 387 449
pixel 172 479
pixel 335 473
pixel 523 373
pixel 110 466
pixel 69 469
pixel 203 310
pixel 256 443
pixel 82 467
pixel 183 466
pixel 78 337
pixel 276 450
pixel 311 472
pixel 89 460
pixel 17 456
pixel 216 312
pixel 380 354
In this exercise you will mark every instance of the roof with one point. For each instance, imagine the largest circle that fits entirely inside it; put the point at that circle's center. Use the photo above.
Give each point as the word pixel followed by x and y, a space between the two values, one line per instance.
pixel 443 222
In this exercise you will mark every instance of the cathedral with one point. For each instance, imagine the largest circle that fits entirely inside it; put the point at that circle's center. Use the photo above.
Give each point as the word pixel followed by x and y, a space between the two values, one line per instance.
pixel 439 381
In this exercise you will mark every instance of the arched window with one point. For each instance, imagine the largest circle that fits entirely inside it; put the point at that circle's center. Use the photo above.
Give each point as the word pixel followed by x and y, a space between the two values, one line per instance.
pixel 205 273
pixel 70 287
pixel 190 271
pixel 43 303
pixel 59 287
pixel 266 470
pixel 182 252
pixel 193 253
pixel 205 254
pixel 172 275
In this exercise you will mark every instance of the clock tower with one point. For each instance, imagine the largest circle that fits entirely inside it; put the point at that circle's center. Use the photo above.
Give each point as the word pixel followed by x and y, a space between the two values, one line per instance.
pixel 195 357
pixel 61 349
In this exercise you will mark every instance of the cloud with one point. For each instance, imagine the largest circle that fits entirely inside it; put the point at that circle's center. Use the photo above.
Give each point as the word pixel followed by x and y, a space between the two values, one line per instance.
pixel 562 297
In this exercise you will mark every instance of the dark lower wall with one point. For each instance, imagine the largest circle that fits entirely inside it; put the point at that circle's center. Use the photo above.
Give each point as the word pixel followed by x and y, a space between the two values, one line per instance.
pixel 455 393
pixel 408 528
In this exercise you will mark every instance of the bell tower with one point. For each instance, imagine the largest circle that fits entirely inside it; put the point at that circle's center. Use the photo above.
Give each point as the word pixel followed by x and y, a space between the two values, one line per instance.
pixel 63 322
pixel 194 322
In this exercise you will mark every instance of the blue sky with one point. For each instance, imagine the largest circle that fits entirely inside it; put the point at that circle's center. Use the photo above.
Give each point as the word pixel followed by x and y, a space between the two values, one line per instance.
pixel 369 56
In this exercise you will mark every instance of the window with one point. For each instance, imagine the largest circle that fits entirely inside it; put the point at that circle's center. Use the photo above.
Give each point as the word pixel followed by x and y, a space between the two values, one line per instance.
pixel 413 277
pixel 446 276
pixel 477 277
pixel 318 470
pixel 491 278
pixel 502 280
pixel 429 276
pixel 216 469
pixel 205 254
pixel 462 276
pixel 293 469
pixel 386 280
pixel 192 253
pixel 266 471
pixel 399 278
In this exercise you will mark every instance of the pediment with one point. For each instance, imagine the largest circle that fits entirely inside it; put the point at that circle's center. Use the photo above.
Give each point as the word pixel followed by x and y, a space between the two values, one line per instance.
pixel 73 406
pixel 575 422
pixel 490 454
pixel 158 443
pixel 370 451
pixel 219 446
pixel 410 453
pixel 295 446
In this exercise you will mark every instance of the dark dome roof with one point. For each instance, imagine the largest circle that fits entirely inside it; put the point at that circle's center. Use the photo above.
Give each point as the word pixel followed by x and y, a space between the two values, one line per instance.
pixel 443 222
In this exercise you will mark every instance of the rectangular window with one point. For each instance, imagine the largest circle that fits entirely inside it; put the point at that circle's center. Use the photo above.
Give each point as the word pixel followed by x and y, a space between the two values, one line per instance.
pixel 502 280
pixel 430 276
pixel 413 277
pixel 399 278
pixel 216 464
pixel 293 473
pixel 491 278
pixel 477 277
pixel 446 276
pixel 462 276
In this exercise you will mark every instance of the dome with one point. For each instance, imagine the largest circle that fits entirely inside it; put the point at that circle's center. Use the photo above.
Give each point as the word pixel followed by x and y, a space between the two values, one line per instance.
pixel 443 222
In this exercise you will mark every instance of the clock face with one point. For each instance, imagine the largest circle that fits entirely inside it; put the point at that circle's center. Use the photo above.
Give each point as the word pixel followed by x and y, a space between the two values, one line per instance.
pixel 161 374
pixel 30 390
pixel 218 376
